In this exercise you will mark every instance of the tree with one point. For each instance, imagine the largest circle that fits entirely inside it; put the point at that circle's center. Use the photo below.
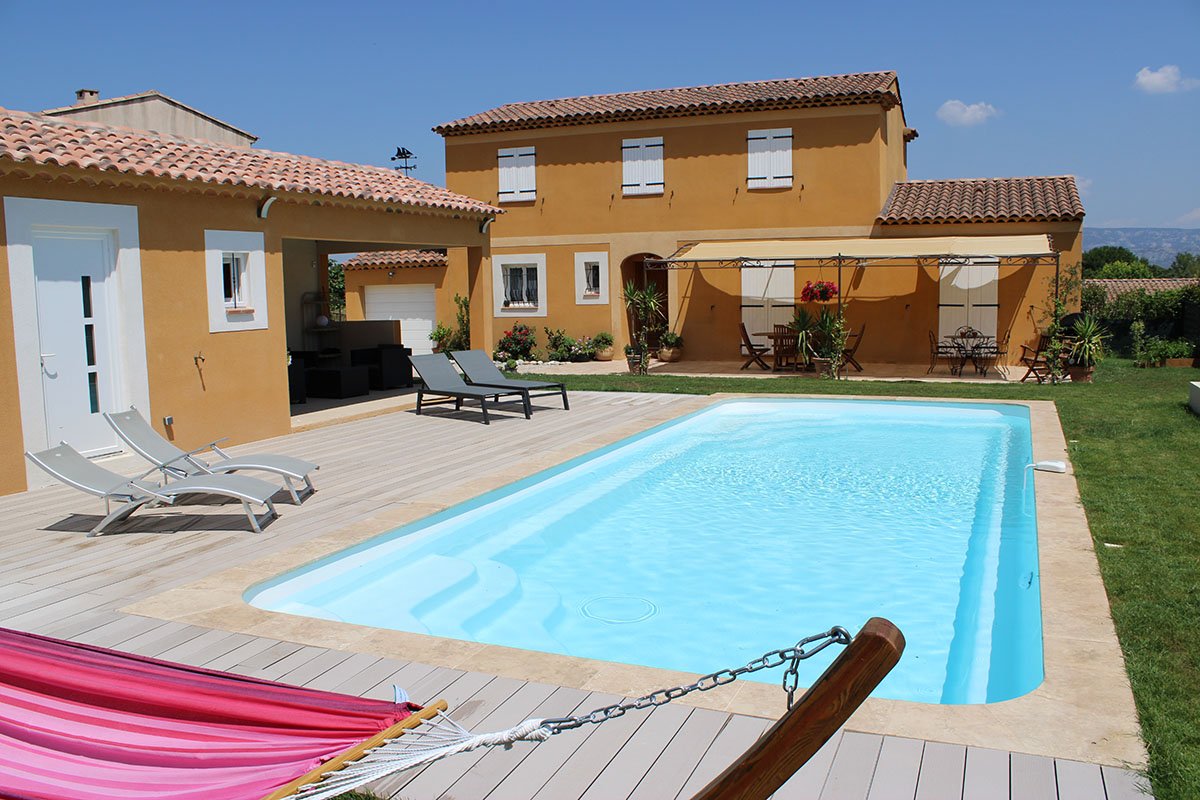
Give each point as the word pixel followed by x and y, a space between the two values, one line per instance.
pixel 337 290
pixel 1185 265
pixel 1097 257
pixel 1125 269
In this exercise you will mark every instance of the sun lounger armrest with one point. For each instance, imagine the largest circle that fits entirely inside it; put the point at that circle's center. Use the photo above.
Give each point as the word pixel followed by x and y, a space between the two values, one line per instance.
pixel 183 456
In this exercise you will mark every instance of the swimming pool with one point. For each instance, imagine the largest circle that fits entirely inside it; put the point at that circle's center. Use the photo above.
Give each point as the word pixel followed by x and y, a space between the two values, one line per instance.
pixel 735 530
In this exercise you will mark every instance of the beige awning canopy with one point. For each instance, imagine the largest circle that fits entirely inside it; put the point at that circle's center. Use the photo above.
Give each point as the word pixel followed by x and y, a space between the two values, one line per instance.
pixel 770 252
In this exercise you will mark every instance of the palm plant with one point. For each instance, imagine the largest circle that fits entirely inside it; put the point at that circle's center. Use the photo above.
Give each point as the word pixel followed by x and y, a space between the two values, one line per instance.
pixel 645 305
pixel 1087 349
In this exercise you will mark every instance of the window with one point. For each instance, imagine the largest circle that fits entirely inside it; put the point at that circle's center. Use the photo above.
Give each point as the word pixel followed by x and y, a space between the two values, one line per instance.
pixel 642 166
pixel 517 177
pixel 591 278
pixel 235 270
pixel 520 285
pixel 234 279
pixel 769 159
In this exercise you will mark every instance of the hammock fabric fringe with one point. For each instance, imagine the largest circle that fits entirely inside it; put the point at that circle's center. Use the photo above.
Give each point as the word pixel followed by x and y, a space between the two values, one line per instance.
pixel 79 722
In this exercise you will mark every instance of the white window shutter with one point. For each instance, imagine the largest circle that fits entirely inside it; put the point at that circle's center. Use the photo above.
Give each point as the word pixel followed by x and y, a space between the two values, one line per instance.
pixel 758 163
pixel 642 166
pixel 517 174
pixel 781 157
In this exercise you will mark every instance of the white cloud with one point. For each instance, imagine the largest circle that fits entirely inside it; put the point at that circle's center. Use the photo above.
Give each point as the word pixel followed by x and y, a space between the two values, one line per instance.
pixel 1164 80
pixel 958 113
pixel 1191 218
pixel 1085 185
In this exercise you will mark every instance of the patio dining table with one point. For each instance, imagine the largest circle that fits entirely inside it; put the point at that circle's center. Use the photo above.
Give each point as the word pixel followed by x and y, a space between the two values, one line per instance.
pixel 971 345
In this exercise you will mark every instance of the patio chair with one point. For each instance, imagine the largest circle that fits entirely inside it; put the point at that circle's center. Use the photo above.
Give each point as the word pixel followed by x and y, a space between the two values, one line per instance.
pixel 942 351
pixel 173 462
pixel 756 351
pixel 1036 360
pixel 989 354
pixel 848 353
pixel 439 378
pixel 482 371
pixel 68 466
pixel 786 354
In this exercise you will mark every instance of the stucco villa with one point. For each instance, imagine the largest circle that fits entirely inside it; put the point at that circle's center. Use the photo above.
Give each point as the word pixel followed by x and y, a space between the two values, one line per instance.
pixel 730 198
pixel 173 269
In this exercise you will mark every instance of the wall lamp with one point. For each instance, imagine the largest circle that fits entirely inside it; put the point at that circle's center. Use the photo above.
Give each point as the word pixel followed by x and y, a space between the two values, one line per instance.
pixel 487 223
pixel 265 206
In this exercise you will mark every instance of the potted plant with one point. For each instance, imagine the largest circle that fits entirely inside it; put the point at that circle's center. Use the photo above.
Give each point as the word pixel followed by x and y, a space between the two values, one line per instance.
pixel 440 336
pixel 645 308
pixel 805 326
pixel 670 346
pixel 829 342
pixel 1087 349
pixel 819 292
pixel 603 342
pixel 1178 353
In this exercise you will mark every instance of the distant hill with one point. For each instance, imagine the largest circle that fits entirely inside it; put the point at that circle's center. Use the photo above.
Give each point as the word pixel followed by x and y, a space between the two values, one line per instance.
pixel 1156 245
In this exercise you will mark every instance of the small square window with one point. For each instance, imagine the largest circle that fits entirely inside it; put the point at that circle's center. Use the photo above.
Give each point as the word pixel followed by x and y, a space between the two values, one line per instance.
pixel 520 285
pixel 591 275
pixel 236 284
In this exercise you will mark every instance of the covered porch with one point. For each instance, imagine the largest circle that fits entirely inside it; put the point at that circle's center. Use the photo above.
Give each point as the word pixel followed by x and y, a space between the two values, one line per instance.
pixel 904 298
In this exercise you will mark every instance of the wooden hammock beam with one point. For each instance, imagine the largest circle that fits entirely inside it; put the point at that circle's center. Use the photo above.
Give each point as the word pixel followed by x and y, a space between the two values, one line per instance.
pixel 355 752
pixel 814 719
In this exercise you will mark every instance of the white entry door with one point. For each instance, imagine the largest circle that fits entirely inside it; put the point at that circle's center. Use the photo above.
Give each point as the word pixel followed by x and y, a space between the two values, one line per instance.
pixel 969 295
pixel 412 304
pixel 78 362
pixel 768 298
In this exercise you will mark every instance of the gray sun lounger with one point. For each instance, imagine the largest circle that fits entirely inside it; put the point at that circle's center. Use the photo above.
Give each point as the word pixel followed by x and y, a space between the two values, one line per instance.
pixel 482 371
pixel 67 465
pixel 136 432
pixel 440 379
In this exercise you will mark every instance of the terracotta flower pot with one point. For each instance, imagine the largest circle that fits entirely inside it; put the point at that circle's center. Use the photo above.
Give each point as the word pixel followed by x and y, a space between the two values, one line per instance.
pixel 1080 374
pixel 670 354
pixel 606 354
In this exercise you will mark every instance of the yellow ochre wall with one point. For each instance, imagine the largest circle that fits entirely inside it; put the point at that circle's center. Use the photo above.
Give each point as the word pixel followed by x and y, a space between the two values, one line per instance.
pixel 239 390
pixel 12 463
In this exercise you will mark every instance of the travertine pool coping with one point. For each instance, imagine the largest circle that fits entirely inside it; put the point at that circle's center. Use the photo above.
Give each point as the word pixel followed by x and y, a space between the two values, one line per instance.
pixel 1083 710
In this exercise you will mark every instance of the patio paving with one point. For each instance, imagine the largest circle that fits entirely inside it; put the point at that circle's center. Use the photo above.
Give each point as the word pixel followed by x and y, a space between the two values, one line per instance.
pixel 55 581
pixel 733 369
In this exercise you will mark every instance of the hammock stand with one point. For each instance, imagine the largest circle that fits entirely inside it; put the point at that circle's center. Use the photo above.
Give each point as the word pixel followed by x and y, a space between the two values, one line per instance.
pixel 192 697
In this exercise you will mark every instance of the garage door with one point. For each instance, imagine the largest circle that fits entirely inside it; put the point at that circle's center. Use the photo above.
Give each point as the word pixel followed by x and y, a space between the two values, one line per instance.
pixel 412 304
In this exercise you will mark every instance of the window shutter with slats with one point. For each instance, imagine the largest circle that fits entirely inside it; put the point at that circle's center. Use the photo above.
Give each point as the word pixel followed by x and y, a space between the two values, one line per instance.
pixel 518 178
pixel 769 158
pixel 642 166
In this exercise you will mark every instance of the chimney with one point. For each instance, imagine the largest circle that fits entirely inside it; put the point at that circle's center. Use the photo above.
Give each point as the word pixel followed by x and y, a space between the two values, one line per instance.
pixel 85 97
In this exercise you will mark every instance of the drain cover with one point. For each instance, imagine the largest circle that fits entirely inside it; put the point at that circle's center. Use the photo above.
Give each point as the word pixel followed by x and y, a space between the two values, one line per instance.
pixel 619 610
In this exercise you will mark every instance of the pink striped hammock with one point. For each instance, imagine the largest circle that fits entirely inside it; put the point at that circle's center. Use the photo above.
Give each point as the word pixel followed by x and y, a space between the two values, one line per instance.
pixel 84 723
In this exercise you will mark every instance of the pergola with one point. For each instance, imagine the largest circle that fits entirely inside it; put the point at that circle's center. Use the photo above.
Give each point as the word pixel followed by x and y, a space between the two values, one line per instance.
pixel 1020 251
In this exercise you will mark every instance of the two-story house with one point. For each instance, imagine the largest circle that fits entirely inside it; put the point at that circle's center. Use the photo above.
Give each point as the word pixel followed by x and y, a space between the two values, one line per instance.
pixel 730 198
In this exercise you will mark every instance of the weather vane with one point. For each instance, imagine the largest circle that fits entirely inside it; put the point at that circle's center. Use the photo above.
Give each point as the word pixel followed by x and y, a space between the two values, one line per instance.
pixel 404 154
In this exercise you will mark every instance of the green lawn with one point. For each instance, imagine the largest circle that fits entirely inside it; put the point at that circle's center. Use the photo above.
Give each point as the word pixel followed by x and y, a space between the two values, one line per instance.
pixel 1136 450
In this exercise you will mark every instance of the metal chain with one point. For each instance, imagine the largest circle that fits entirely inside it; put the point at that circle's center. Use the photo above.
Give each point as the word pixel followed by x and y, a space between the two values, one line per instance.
pixel 792 656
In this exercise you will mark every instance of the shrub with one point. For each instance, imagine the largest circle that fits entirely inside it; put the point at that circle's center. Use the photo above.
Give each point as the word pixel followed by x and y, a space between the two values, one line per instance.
pixel 517 343
pixel 671 339
pixel 441 336
pixel 602 340
pixel 510 365
pixel 458 337
pixel 561 347
pixel 1093 299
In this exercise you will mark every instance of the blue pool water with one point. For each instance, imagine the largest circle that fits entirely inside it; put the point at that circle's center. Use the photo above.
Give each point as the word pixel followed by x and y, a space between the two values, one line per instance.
pixel 736 530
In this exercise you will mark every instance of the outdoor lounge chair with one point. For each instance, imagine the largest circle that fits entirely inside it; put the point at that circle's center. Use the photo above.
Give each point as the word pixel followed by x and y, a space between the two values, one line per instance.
pixel 203 733
pixel 481 371
pixel 67 465
pixel 755 351
pixel 136 432
pixel 439 378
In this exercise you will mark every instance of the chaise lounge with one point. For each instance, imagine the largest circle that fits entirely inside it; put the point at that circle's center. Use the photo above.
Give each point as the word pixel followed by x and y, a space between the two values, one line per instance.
pixel 68 466
pixel 135 431
pixel 482 371
pixel 439 378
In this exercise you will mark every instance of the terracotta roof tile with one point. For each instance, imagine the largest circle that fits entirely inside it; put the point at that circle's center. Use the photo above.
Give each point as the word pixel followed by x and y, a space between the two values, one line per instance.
pixel 1114 287
pixel 1038 199
pixel 34 139
pixel 829 90
pixel 390 259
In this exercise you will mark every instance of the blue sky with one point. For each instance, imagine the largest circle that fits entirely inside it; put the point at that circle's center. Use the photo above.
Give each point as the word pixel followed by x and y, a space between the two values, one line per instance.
pixel 1041 87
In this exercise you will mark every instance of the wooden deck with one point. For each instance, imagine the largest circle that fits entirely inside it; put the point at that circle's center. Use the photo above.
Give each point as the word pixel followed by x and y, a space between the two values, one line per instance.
pixel 56 582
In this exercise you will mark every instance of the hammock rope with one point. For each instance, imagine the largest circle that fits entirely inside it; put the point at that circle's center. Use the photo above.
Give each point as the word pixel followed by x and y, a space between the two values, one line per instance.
pixel 439 736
